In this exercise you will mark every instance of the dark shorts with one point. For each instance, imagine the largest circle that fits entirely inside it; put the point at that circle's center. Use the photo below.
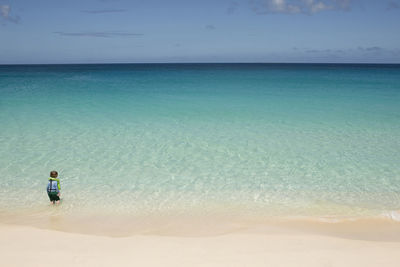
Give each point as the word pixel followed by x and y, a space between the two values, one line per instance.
pixel 53 196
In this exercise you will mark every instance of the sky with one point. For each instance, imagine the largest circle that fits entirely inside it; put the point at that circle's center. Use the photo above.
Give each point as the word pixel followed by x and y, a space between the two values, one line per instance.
pixel 148 31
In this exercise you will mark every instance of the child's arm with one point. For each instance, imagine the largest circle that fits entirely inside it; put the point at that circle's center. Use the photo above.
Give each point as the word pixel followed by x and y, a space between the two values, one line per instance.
pixel 58 186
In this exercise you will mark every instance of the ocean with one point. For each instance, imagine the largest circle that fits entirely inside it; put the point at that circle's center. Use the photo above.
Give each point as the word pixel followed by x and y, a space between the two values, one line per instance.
pixel 245 140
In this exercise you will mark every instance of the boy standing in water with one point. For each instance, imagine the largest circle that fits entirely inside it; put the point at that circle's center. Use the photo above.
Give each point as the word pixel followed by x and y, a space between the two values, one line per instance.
pixel 54 187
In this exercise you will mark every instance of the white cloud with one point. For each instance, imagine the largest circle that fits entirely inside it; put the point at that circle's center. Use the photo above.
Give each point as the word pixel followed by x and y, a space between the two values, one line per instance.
pixel 278 5
pixel 4 10
pixel 298 6
pixel 318 7
pixel 292 9
pixel 343 4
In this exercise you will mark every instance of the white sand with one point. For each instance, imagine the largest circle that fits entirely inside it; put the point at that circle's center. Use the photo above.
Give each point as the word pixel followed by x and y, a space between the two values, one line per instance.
pixel 27 246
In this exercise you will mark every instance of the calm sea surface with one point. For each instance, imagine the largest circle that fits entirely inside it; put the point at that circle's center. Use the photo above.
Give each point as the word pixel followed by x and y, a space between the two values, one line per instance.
pixel 255 139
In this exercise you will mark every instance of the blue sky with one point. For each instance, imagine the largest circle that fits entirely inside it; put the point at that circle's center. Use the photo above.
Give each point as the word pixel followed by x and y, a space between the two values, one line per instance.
pixel 112 31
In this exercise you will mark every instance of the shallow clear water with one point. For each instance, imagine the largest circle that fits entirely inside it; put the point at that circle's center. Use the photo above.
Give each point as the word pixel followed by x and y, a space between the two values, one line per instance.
pixel 256 139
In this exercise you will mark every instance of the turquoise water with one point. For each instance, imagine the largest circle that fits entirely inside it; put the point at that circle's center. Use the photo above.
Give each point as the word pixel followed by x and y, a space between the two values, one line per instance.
pixel 252 139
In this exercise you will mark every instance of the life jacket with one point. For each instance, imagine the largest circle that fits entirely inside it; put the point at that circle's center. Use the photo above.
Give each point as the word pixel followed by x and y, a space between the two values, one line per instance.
pixel 53 186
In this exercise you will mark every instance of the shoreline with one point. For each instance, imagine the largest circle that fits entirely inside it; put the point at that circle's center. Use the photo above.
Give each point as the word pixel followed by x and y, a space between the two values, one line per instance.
pixel 28 246
pixel 384 228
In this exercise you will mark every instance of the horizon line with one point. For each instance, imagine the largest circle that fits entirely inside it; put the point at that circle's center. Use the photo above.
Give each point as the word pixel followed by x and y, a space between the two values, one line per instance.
pixel 199 63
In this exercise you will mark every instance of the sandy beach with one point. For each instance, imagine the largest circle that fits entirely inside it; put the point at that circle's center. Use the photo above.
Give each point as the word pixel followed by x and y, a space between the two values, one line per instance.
pixel 28 246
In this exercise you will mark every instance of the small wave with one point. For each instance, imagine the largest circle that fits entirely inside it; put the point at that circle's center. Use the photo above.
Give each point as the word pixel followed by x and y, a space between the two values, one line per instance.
pixel 393 215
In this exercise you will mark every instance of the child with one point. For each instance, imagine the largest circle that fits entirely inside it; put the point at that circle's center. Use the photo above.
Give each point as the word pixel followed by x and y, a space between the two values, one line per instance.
pixel 54 187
